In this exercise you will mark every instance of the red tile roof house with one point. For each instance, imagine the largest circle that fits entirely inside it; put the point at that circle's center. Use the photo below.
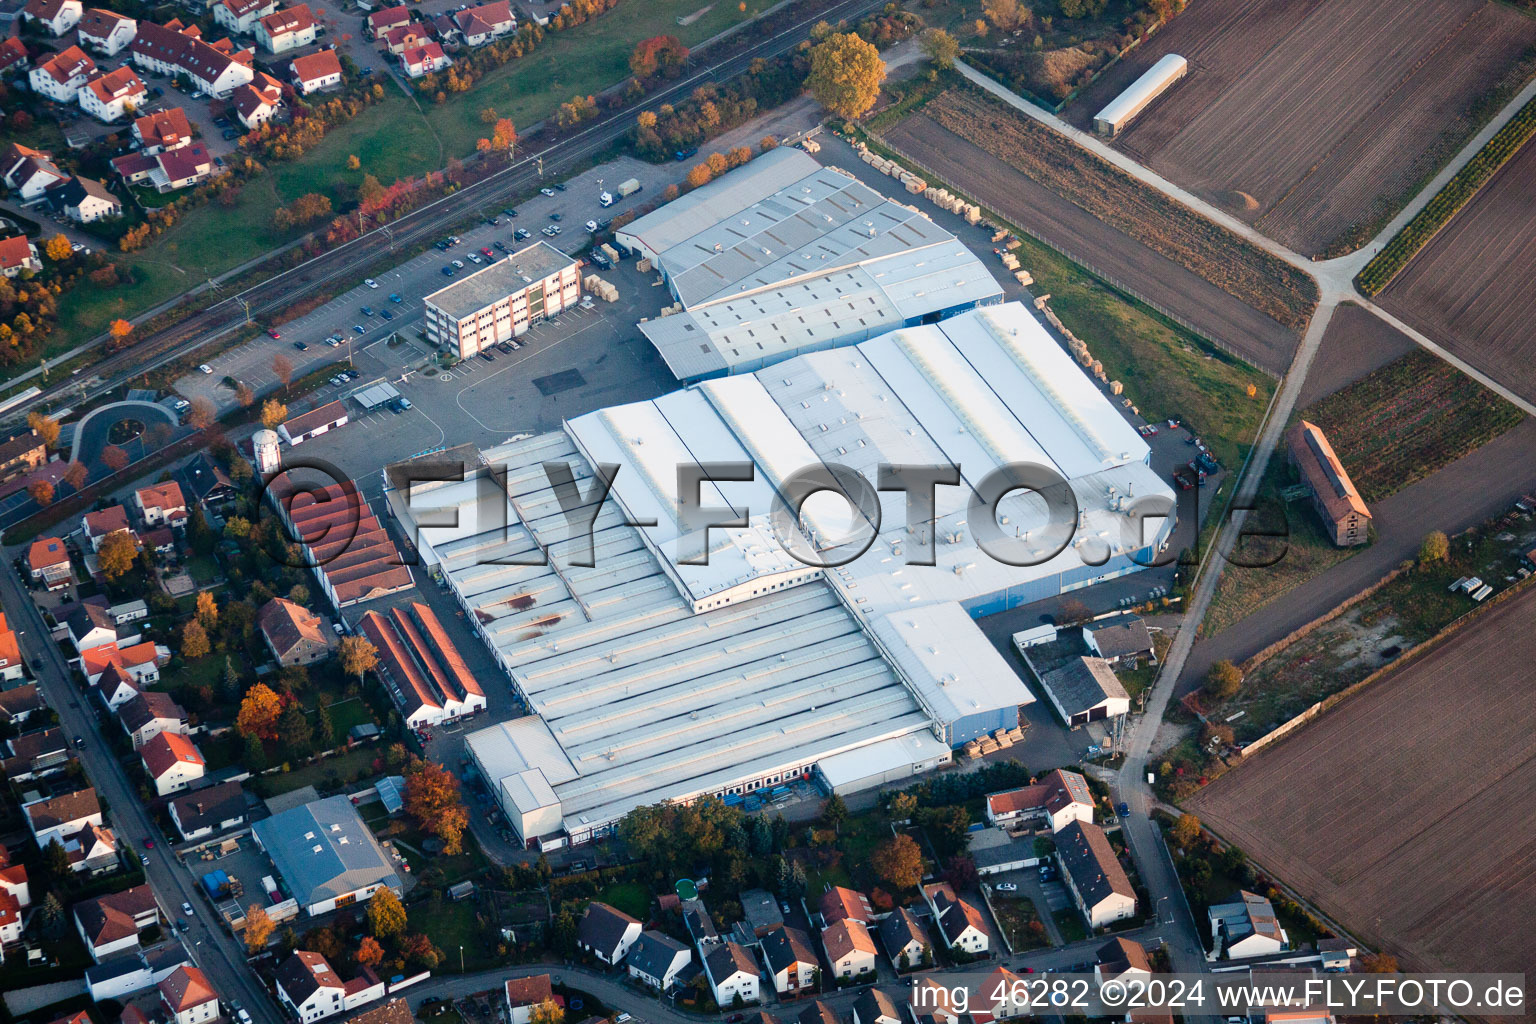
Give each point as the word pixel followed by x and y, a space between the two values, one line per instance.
pixel 287 29
pixel 172 761
pixel 18 254
pixel 216 69
pixel 404 37
pixel 294 634
pixel 57 16
pixel 380 22
pixel 105 31
pixel 242 15
pixel 60 77
pixel 145 715
pixel 523 994
pixel 315 71
pixel 188 997
pixel 161 503
pixel 13 55
pixel 480 25
pixel 98 526
pixel 423 60
pixel 29 171
pixel 257 100
pixel 113 95
pixel 58 816
pixel 840 903
pixel 163 130
pixel 138 663
pixel 1059 798
pixel 112 923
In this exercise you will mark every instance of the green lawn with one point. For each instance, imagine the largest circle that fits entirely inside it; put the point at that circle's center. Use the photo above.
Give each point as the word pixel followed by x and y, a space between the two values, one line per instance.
pixel 321 775
pixel 202 568
pixel 452 927
pixel 1070 923
pixel 631 897
pixel 347 713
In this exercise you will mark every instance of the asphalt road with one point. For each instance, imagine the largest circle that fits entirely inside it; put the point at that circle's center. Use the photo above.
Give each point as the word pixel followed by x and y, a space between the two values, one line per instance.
pixel 425 224
pixel 215 951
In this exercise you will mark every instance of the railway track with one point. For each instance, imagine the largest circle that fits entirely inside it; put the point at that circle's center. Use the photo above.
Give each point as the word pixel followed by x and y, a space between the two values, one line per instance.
pixel 350 259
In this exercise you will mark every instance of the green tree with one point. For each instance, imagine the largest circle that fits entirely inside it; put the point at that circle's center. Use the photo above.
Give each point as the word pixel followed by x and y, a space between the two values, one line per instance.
pixel 255 757
pixel 901 806
pixel 834 812
pixel 940 48
pixel 846 73
pixel 294 731
pixel 51 914
pixel 56 861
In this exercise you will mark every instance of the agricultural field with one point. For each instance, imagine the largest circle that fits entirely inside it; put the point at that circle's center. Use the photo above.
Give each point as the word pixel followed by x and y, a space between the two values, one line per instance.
pixel 1469 288
pixel 1356 343
pixel 1223 288
pixel 1318 121
pixel 1357 810
pixel 1402 422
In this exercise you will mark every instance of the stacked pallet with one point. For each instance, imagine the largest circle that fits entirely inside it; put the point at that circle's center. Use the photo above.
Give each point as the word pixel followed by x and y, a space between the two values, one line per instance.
pixel 610 252
pixel 595 285
pixel 644 266
pixel 1024 278
pixel 1010 261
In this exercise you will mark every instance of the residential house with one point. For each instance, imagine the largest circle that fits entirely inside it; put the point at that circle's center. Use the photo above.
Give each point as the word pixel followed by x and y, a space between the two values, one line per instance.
pixel 98 526
pixel 147 714
pixel 904 938
pixel 19 704
pixel 106 32
pixel 959 922
pixel 876 1007
pixel 523 994
pixel 700 927
pixel 312 990
pixel 656 960
pixel 187 996
pixel 215 69
pixel 118 672
pixel 1123 639
pixel 90 624
pixel 1248 927
pixel 315 71
pixel 1120 959
pixel 18 254
pixel 13 880
pixel 760 911
pixel 1093 875
pixel 241 16
pixel 1059 797
pixel 287 29
pixel 10 921
pixel 112 923
pixel 932 1002
pixel 840 903
pixel 35 754
pixel 30 172
pixel 849 947
pixel 162 130
pixel 204 812
pixel 381 21
pixel 396 1011
pixel 57 16
pixel 294 634
pixel 161 503
pixel 405 36
pixel 205 482
pixel 606 932
pixel 60 77
pixel 126 974
pixel 479 25
pixel 92 850
pixel 172 761
pixel 48 563
pixel 13 55
pixel 1002 996
pixel 1345 517
pixel 732 974
pixel 423 60
pixel 167 171
pixel 12 667
pixel 21 453
pixel 791 961
pixel 86 200
pixel 258 100
pixel 109 97
pixel 818 1013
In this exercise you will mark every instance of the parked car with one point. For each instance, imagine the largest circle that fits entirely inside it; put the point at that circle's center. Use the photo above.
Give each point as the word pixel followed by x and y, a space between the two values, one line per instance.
pixel 486 355
pixel 272 333
pixel 500 245
pixel 386 314
pixel 486 252
pixel 230 133
pixel 186 908
pixel 1123 809
pixel 301 346
pixel 395 298
pixel 367 311
pixel 442 245
pixel 592 226
pixel 205 368
pixel 473 257
pixel 509 212
pixel 546 190
pixel 559 186
pixel 371 283
pixel 447 271
pixel 1007 887
pixel 359 328
pixel 458 264
pixel 521 233
pixel 555 217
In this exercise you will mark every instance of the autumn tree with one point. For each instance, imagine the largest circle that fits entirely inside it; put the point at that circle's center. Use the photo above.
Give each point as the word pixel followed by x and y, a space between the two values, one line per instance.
pixel 1435 547
pixel 1008 15
pixel 846 72
pixel 46 426
pixel 41 491
pixel 207 610
pixel 546 1012
pixel 698 174
pixel 245 396
pixel 117 554
pixel 118 332
pixel 940 47
pixel 259 711
pixel 1185 830
pixel 282 369
pixel 386 915
pixel 1223 680
pixel 203 413
pixel 353 163
pixel 901 806
pixel 663 55
pixel 505 135
pixel 273 413
pixel 432 799
pixel 194 641
pixel 369 952
pixel 357 655
pixel 1378 963
pixel 58 248
pixel 898 861
pixel 114 458
pixel 306 209
pixel 259 927
pixel 75 474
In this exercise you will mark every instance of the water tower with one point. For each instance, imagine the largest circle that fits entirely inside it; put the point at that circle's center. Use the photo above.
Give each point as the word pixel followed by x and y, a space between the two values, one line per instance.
pixel 268 451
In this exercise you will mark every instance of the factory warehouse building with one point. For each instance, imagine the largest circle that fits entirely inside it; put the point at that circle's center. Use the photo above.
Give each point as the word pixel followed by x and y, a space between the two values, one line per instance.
pixel 503 300
pixel 795 257
pixel 652 674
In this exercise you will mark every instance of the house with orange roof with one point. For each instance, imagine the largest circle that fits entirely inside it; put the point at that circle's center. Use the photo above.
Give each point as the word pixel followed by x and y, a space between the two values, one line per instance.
pixel 98 526
pixel 172 761
pixel 60 77
pixel 315 71
pixel 287 29
pixel 18 254
pixel 48 563
pixel 57 16
pixel 106 32
pixel 1060 797
pixel 423 60
pixel 13 55
pixel 959 921
pixel 188 997
pixel 110 96
pixel 13 879
pixel 849 947
pixel 1343 512
pixel 256 101
pixel 161 503
pixel 139 663
pixel 242 15
pixel 162 130
pixel 11 665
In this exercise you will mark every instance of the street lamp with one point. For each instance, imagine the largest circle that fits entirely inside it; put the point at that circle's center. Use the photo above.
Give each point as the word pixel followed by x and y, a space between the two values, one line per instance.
pixel 461 959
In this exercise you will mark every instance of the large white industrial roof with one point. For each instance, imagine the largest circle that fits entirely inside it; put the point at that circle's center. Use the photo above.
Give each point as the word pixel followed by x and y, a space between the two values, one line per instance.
pixel 934 646
pixel 1168 69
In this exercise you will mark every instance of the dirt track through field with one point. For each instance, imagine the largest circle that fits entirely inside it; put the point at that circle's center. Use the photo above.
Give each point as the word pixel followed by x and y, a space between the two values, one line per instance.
pixel 1357 341
pixel 1403 812
pixel 1470 288
pixel 1326 115
pixel 1226 320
